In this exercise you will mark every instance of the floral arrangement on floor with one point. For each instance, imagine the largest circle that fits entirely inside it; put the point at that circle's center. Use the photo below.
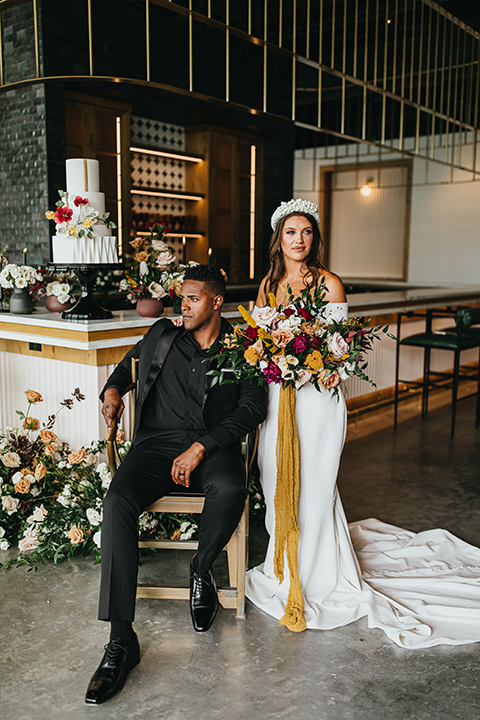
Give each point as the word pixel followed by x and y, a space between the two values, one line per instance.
pixel 295 344
pixel 154 270
pixel 78 222
pixel 51 496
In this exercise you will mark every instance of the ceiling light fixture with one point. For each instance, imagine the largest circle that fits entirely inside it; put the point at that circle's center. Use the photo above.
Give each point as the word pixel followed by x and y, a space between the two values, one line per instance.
pixel 367 189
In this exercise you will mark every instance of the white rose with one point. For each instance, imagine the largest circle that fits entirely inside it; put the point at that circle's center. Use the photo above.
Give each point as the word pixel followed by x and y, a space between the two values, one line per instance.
pixel 303 376
pixel 14 271
pixel 11 459
pixel 35 490
pixel 3 444
pixel 265 317
pixel 28 544
pixel 156 291
pixel 93 517
pixel 337 346
pixel 39 513
pixel 143 268
pixel 97 538
pixel 4 545
pixel 160 246
pixel 343 368
pixel 292 323
pixel 16 477
pixel 10 504
pixel 2 532
pixel 165 258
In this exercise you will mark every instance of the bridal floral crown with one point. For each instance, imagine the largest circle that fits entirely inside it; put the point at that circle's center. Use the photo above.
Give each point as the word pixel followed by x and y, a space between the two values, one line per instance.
pixel 295 206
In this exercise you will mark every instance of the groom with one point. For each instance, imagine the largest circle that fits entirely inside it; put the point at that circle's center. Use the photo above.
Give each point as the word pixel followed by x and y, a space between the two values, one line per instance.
pixel 187 434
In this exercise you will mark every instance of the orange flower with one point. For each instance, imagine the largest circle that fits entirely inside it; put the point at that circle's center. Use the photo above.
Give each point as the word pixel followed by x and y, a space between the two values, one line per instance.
pixel 40 471
pixel 22 486
pixel 251 355
pixel 314 361
pixel 51 449
pixel 329 381
pixel 31 423
pixel 75 535
pixel 76 457
pixel 26 471
pixel 176 534
pixel 137 242
pixel 33 396
pixel 141 256
pixel 48 436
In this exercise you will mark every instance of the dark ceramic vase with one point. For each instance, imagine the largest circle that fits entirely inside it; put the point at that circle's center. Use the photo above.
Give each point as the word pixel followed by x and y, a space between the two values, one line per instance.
pixel 21 302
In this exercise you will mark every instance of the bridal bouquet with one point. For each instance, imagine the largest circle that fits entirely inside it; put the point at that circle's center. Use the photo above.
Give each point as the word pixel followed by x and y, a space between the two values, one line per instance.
pixel 295 344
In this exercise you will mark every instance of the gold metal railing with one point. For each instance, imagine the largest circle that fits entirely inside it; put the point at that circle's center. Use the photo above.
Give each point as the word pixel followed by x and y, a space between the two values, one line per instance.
pixel 417 62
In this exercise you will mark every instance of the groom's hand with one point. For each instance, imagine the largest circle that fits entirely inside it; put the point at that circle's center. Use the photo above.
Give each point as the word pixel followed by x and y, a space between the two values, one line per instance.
pixel 186 463
pixel 112 406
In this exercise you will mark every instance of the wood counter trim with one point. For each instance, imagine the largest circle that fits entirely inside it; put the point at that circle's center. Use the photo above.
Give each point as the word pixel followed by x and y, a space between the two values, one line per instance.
pixel 68 334
pixel 97 358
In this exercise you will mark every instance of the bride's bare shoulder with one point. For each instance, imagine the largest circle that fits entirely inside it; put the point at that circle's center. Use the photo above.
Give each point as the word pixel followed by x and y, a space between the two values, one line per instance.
pixel 335 292
pixel 261 300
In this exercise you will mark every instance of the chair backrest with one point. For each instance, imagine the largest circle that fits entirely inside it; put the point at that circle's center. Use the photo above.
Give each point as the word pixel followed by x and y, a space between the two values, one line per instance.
pixel 467 316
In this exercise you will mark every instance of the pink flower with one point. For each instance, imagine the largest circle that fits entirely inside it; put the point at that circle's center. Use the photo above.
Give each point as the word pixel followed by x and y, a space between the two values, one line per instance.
pixel 300 344
pixel 272 373
pixel 63 214
pixel 281 338
pixel 303 376
pixel 80 201
pixel 337 346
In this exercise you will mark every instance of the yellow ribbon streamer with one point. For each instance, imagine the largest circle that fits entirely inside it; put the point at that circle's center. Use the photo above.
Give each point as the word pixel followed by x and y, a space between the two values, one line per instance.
pixel 286 506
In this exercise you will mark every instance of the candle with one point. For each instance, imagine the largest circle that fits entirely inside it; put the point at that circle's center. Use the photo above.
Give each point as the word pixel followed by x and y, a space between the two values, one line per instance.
pixel 184 250
pixel 24 256
pixel 209 256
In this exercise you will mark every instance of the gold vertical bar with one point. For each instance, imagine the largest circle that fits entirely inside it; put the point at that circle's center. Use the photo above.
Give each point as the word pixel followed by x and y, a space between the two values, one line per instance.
pixel 419 84
pixel 190 46
pixel 90 41
pixel 365 76
pixel 253 173
pixel 344 66
pixel 250 16
pixel 395 42
pixel 412 55
pixel 294 58
pixel 147 37
pixel 375 55
pixel 462 88
pixel 227 53
pixel 385 49
pixel 280 23
pixel 355 40
pixel 265 25
pixel 404 53
pixel 118 138
pixel 429 50
pixel 308 31
pixel 209 9
pixel 320 62
pixel 2 79
pixel 37 46
pixel 434 92
pixel 455 91
pixel 442 82
pixel 332 56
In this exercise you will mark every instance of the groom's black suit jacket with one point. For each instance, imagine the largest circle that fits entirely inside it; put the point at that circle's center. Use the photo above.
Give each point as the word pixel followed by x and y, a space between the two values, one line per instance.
pixel 229 411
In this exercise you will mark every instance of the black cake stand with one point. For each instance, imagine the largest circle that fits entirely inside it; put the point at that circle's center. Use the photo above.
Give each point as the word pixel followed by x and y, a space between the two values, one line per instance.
pixel 86 308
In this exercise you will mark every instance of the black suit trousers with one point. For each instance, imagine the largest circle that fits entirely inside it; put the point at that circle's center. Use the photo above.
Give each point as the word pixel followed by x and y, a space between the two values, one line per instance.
pixel 143 477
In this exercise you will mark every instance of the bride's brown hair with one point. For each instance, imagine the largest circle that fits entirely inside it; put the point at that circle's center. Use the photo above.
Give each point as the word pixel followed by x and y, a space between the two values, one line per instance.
pixel 277 263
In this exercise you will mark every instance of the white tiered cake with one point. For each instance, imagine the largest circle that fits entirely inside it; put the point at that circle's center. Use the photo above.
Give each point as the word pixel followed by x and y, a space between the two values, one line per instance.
pixel 83 184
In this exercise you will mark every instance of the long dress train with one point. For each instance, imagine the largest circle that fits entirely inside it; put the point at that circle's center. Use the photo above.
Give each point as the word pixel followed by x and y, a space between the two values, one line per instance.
pixel 421 589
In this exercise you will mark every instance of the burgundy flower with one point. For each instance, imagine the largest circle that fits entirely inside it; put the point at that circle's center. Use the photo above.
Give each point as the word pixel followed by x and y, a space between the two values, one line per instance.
pixel 80 201
pixel 272 373
pixel 300 344
pixel 63 214
pixel 306 314
pixel 171 292
pixel 316 342
pixel 287 312
pixel 251 333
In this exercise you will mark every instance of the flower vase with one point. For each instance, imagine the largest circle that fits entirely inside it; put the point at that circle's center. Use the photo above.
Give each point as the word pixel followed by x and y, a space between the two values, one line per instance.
pixel 53 304
pixel 149 307
pixel 177 305
pixel 21 302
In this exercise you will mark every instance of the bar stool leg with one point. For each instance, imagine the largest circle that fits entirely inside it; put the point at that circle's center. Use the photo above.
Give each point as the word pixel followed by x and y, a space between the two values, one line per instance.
pixel 456 370
pixel 426 380
pixel 397 361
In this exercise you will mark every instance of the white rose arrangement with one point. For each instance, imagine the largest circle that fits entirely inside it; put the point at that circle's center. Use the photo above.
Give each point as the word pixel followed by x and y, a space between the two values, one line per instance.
pixel 19 276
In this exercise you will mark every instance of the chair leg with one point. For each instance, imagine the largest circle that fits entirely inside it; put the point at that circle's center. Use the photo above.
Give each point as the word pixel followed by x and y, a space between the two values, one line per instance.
pixel 426 381
pixel 456 370
pixel 232 556
pixel 242 563
pixel 397 361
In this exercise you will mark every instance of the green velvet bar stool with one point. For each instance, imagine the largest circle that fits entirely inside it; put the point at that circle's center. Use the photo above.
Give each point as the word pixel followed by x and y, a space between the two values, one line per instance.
pixel 462 336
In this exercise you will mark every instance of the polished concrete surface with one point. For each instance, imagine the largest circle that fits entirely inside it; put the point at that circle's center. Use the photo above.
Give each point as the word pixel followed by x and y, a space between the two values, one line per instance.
pixel 253 669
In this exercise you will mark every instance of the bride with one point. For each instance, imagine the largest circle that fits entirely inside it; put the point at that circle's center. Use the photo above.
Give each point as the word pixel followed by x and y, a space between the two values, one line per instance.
pixel 421 589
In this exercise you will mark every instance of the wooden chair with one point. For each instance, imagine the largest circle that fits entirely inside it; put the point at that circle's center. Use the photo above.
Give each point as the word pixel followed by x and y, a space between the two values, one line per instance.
pixel 461 336
pixel 237 548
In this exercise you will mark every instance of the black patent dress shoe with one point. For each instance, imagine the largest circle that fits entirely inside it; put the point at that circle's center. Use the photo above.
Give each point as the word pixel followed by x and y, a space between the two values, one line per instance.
pixel 109 678
pixel 203 600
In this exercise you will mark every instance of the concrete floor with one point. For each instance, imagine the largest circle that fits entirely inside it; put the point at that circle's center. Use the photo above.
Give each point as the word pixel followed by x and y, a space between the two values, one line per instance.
pixel 254 669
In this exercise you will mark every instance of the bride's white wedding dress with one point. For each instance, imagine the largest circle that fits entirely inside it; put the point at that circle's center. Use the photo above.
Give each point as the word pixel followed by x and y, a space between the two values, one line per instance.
pixel 421 589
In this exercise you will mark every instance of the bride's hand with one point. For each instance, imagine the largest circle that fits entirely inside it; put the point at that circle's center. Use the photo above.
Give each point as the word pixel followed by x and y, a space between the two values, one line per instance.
pixel 178 322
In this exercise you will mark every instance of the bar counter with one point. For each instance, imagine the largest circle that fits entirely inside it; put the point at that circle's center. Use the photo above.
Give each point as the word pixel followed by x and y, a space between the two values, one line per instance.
pixel 43 352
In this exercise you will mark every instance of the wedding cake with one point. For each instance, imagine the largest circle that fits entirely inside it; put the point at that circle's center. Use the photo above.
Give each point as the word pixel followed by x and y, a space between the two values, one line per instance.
pixel 83 231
